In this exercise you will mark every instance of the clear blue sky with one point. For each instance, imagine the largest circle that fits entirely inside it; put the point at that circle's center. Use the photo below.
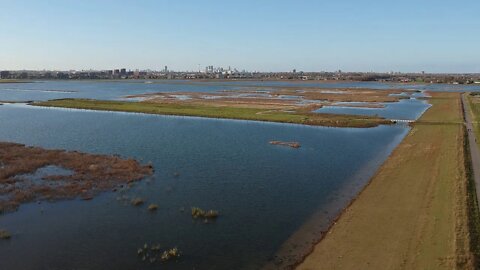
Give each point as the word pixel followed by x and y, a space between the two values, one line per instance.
pixel 265 35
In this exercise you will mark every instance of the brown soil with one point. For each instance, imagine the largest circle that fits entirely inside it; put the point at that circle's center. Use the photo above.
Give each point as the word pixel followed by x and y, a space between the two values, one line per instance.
pixel 91 174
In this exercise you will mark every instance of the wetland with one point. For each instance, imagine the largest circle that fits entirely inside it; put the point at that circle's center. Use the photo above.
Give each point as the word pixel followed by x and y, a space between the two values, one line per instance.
pixel 221 193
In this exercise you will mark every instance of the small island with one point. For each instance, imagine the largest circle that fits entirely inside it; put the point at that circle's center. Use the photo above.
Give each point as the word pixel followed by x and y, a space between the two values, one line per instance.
pixel 35 174
pixel 284 104
pixel 289 144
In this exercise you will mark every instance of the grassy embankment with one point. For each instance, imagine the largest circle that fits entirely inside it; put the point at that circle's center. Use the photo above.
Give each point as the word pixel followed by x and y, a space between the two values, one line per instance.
pixel 474 110
pixel 256 114
pixel 414 213
pixel 474 101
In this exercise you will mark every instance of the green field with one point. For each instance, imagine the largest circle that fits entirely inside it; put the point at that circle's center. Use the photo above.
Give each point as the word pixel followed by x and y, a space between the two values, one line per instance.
pixel 255 114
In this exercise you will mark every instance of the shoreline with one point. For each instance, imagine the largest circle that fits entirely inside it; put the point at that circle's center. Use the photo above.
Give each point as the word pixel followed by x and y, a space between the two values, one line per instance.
pixel 322 221
pixel 316 224
pixel 334 258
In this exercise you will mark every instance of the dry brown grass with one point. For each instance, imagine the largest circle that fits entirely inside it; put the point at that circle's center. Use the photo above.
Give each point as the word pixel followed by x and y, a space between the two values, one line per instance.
pixel 92 173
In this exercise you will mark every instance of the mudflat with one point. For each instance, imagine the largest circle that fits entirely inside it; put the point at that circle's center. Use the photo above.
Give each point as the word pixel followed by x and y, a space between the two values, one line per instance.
pixel 413 214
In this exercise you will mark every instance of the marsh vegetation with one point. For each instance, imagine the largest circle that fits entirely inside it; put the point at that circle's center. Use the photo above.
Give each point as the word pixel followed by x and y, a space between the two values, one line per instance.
pixel 152 207
pixel 89 175
pixel 198 213
pixel 5 234
pixel 154 253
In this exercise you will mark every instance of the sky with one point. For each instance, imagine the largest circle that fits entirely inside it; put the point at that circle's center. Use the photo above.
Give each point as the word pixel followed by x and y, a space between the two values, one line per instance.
pixel 256 35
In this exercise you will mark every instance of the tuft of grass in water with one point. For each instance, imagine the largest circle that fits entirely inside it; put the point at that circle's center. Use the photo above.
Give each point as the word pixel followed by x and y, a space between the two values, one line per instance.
pixel 170 254
pixel 137 201
pixel 154 253
pixel 152 207
pixel 197 212
pixel 200 213
pixel 5 234
pixel 211 214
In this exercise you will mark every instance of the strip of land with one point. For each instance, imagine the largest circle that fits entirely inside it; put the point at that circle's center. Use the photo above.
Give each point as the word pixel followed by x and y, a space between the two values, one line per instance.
pixel 474 110
pixel 299 116
pixel 471 103
pixel 472 132
pixel 14 81
pixel 414 214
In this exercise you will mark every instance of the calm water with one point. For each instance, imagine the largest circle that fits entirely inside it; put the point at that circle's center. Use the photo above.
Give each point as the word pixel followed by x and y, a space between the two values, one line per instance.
pixel 372 85
pixel 405 109
pixel 116 89
pixel 94 89
pixel 263 192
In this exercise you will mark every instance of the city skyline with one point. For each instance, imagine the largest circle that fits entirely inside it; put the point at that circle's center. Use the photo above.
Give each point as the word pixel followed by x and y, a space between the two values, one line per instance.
pixel 271 36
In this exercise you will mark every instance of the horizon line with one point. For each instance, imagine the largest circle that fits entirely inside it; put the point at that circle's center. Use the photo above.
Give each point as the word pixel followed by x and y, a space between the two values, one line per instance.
pixel 248 71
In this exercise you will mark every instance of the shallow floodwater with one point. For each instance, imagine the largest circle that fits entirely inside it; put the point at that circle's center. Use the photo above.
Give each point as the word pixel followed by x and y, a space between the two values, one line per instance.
pixel 264 192
pixel 348 84
pixel 105 90
pixel 45 90
pixel 405 109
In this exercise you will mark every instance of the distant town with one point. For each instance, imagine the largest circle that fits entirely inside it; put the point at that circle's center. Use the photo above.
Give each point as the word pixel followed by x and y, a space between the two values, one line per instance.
pixel 220 73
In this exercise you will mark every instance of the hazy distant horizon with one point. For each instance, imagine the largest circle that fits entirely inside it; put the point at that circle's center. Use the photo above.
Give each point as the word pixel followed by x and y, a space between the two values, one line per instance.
pixel 270 36
pixel 259 71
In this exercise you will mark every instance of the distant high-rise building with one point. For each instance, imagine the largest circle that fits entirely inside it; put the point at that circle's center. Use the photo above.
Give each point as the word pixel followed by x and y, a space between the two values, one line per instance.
pixel 116 71
pixel 165 69
pixel 209 69
pixel 123 71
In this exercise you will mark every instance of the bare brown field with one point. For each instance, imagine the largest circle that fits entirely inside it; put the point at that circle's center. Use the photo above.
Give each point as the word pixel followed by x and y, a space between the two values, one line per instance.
pixel 90 174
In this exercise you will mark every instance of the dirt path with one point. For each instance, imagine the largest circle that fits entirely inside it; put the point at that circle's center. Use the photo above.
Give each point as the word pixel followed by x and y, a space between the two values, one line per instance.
pixel 475 154
pixel 413 213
